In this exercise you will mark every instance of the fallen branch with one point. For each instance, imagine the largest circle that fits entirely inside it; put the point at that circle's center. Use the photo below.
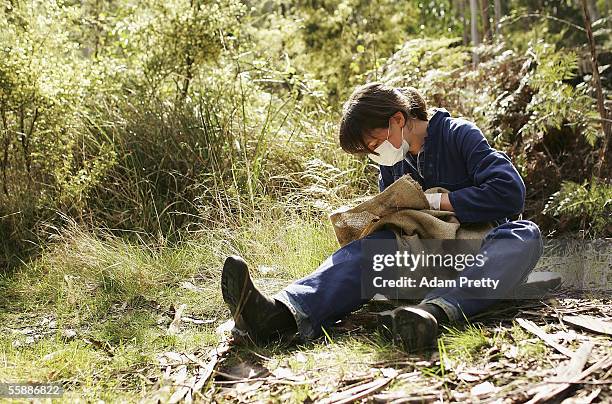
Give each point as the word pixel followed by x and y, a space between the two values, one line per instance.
pixel 549 394
pixel 540 333
pixel 590 323
pixel 175 325
pixel 357 392
pixel 595 383
pixel 399 397
pixel 197 382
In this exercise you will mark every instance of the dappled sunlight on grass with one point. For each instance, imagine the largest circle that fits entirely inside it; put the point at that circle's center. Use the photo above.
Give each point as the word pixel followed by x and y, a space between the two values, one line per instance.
pixel 103 304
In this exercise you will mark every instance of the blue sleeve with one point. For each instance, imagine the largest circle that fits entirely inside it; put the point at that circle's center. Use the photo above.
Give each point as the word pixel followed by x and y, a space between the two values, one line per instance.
pixel 385 177
pixel 498 189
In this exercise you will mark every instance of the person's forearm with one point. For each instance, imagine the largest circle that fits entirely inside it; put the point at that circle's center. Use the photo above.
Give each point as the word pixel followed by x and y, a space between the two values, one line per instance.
pixel 494 199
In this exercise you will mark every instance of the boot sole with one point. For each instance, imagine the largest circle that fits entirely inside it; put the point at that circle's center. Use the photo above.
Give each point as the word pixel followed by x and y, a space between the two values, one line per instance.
pixel 236 288
pixel 234 282
pixel 413 329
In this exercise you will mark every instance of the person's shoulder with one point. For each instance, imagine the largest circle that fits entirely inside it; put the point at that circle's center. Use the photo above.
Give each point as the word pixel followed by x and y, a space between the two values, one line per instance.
pixel 464 128
pixel 454 128
pixel 464 132
pixel 440 116
pixel 461 124
pixel 437 115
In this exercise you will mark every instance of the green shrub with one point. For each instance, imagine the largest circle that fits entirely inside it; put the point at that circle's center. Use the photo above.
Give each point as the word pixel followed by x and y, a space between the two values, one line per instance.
pixel 555 102
pixel 587 206
pixel 42 99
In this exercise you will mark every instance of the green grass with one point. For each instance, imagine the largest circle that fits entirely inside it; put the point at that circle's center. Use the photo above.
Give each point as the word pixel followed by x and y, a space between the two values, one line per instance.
pixel 465 343
pixel 527 348
pixel 116 295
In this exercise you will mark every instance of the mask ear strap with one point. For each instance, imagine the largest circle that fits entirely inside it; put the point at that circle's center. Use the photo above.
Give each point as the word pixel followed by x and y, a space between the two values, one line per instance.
pixel 389 128
pixel 407 121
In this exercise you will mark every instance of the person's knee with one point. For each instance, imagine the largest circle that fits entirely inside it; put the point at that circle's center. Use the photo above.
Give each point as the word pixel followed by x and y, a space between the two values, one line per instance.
pixel 529 230
pixel 519 229
pixel 530 237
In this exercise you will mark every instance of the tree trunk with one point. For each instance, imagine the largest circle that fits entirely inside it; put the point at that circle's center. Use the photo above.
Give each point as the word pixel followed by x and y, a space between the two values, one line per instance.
pixel 605 123
pixel 463 19
pixel 593 10
pixel 486 26
pixel 475 35
pixel 498 17
pixel 7 144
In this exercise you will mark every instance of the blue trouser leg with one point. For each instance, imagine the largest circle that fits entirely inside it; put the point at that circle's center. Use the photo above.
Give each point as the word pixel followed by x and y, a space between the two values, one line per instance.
pixel 332 291
pixel 512 250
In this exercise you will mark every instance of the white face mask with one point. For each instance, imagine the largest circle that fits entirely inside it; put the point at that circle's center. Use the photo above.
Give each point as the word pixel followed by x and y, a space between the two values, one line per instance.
pixel 388 155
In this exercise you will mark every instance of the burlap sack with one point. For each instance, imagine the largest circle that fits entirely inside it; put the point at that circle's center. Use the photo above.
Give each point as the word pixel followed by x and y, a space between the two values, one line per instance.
pixel 403 208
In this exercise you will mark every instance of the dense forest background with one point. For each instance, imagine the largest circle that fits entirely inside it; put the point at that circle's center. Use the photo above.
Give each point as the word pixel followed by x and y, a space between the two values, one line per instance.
pixel 161 119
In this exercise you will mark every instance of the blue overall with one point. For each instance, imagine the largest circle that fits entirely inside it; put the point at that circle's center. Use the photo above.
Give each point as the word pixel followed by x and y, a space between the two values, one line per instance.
pixel 484 187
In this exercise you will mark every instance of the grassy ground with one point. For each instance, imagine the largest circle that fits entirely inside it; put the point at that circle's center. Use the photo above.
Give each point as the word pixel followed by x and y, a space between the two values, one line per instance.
pixel 94 312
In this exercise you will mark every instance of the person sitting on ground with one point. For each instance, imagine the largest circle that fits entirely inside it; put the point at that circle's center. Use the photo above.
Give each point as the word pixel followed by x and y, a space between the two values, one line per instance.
pixel 397 131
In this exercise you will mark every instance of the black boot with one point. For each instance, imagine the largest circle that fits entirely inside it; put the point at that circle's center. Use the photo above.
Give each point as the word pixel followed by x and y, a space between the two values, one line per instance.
pixel 415 328
pixel 261 317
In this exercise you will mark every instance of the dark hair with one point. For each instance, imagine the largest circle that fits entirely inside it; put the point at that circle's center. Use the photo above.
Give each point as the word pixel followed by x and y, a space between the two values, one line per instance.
pixel 370 107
